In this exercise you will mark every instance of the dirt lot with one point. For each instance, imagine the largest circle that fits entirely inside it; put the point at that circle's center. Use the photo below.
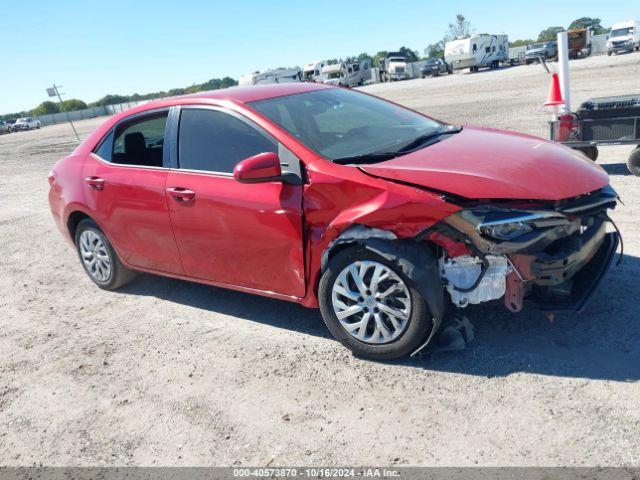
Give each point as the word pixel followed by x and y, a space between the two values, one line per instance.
pixel 166 372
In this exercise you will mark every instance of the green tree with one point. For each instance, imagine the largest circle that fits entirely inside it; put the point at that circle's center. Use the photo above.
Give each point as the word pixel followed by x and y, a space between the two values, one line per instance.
pixel 365 57
pixel 110 100
pixel 45 108
pixel 588 22
pixel 549 34
pixel 435 50
pixel 379 56
pixel 73 104
pixel 521 43
pixel 227 82
pixel 410 55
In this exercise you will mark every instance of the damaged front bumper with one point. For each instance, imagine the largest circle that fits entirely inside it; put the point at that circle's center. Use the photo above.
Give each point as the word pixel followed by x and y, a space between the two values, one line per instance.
pixel 569 282
pixel 554 256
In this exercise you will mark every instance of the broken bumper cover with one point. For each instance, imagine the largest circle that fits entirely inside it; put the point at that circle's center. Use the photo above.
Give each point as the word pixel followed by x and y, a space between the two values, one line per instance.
pixel 584 269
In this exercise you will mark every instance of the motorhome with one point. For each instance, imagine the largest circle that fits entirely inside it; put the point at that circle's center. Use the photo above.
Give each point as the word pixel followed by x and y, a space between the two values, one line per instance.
pixel 312 72
pixel 278 75
pixel 477 51
pixel 393 67
pixel 347 74
pixel 624 37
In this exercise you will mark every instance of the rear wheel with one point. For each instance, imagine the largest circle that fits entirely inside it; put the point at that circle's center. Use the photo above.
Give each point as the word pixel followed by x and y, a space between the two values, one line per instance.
pixel 371 307
pixel 633 163
pixel 98 257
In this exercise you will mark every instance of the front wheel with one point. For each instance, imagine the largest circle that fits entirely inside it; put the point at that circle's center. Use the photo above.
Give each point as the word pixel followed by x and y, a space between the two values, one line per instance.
pixel 98 257
pixel 371 307
pixel 633 163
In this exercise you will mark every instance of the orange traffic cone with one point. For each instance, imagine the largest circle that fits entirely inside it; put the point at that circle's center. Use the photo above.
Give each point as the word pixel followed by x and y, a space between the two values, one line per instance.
pixel 555 95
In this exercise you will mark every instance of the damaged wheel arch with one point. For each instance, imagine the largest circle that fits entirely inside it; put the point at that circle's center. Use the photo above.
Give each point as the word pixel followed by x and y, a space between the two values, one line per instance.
pixel 416 259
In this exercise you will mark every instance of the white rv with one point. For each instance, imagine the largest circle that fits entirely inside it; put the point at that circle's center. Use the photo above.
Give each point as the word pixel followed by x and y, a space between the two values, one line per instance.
pixel 477 51
pixel 278 75
pixel 624 37
pixel 346 74
pixel 312 72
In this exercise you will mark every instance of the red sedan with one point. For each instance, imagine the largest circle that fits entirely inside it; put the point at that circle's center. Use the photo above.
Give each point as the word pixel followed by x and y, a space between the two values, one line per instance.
pixel 377 214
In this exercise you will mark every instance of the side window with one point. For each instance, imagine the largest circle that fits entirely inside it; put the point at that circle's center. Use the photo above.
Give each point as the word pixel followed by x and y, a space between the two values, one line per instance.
pixel 105 147
pixel 215 141
pixel 140 142
pixel 487 50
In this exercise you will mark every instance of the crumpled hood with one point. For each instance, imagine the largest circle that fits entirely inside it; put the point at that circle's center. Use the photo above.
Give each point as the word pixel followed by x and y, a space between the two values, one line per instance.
pixel 482 163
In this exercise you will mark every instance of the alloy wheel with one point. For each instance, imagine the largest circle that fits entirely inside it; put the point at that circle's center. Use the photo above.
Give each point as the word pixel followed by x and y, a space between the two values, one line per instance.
pixel 95 255
pixel 371 302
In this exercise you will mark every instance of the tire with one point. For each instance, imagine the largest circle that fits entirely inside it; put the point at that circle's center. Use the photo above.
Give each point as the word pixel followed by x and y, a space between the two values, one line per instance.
pixel 609 53
pixel 118 275
pixel 416 327
pixel 590 152
pixel 633 163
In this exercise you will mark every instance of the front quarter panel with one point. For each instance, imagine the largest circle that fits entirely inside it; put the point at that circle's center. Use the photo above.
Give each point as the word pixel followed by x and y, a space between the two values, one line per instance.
pixel 339 196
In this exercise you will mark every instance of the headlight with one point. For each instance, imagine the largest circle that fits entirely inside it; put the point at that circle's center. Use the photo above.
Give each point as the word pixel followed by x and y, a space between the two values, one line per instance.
pixel 505 231
pixel 505 225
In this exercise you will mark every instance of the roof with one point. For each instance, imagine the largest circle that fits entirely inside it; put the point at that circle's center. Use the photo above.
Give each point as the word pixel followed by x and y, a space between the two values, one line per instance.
pixel 253 93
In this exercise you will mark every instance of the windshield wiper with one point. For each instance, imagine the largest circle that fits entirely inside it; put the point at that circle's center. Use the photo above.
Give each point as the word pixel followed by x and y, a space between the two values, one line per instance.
pixel 424 138
pixel 413 145
pixel 366 158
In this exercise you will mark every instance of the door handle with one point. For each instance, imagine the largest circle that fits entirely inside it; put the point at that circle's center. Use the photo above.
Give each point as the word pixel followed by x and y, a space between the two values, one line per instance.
pixel 96 183
pixel 181 194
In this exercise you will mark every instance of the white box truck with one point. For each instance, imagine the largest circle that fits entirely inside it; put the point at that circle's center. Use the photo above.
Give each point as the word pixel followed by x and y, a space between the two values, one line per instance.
pixel 477 51
pixel 624 37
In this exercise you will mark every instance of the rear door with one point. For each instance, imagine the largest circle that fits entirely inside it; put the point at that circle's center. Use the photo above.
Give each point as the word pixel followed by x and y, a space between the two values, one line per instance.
pixel 248 235
pixel 124 180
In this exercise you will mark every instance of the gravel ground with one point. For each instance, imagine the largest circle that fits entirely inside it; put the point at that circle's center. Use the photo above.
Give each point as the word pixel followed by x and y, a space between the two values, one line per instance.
pixel 167 372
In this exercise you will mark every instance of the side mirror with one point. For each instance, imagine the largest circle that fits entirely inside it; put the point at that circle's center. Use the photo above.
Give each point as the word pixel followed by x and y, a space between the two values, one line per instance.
pixel 263 167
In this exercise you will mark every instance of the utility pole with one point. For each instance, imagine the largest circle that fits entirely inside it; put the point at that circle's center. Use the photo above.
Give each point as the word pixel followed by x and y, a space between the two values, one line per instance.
pixel 55 92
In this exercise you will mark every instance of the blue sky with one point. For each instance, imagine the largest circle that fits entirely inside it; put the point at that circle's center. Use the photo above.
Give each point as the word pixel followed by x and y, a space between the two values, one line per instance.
pixel 93 48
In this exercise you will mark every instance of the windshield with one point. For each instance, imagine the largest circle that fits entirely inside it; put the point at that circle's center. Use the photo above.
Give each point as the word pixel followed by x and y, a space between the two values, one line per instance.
pixel 21 120
pixel 535 46
pixel 621 32
pixel 397 59
pixel 338 123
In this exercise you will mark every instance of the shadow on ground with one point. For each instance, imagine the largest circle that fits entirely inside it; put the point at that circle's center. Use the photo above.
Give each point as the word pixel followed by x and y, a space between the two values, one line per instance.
pixel 599 343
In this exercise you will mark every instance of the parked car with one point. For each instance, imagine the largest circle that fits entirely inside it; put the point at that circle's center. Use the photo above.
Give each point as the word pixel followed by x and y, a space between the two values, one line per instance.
pixel 26 123
pixel 329 197
pixel 5 127
pixel 435 67
pixel 546 50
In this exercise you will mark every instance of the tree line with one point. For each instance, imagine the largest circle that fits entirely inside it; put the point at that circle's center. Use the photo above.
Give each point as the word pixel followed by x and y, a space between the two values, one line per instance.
pixel 49 107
